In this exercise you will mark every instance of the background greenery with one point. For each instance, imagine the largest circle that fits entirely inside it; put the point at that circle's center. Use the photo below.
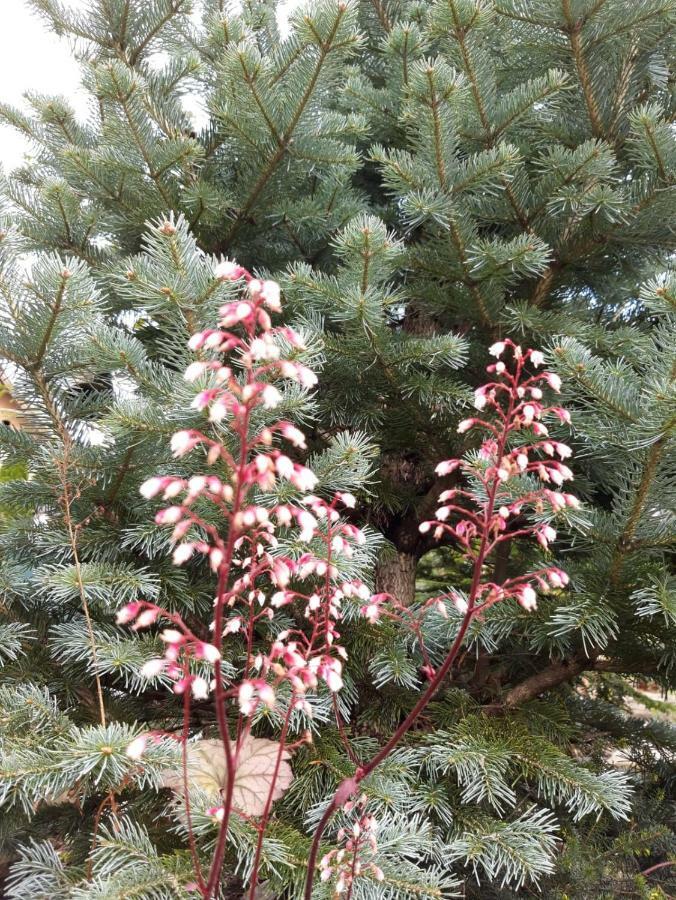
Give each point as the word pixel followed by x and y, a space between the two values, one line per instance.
pixel 422 178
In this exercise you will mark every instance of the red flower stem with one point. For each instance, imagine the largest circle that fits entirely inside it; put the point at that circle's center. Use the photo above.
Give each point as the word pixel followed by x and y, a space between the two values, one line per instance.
pixel 247 667
pixel 224 731
pixel 349 785
pixel 341 731
pixel 221 709
pixel 268 803
pixel 353 869
pixel 186 782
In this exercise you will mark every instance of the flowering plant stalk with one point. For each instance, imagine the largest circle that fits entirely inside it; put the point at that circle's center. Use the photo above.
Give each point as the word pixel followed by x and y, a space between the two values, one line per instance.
pixel 508 477
pixel 253 577
pixel 240 369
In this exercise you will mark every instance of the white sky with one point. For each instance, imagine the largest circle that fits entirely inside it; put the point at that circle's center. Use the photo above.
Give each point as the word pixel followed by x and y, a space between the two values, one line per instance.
pixel 31 59
pixel 34 59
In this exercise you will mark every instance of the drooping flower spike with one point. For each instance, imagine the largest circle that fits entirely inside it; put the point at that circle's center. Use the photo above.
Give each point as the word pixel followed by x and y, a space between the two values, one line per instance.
pixel 358 847
pixel 516 460
pixel 245 334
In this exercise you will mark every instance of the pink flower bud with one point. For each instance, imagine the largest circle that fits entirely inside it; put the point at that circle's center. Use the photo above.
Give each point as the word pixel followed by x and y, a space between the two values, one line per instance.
pixel 292 434
pixel 459 603
pixel 245 696
pixel 306 377
pixel 270 396
pixel 298 373
pixel 172 636
pixel 447 466
pixel 553 381
pixel 214 338
pixel 169 516
pixel 199 687
pixel 283 514
pixel 465 425
pixel 184 441
pixel 304 479
pixel 151 487
pixel 181 529
pixel 208 652
pixel 270 295
pixel 284 466
pixel 182 553
pixel 146 618
pixel 528 598
pixel 152 668
pixel 127 613
pixel 216 556
pixel 195 370
pixel 333 681
pixel 308 526
pixel 281 574
pixel 480 398
pixel 556 500
pixel 173 489
pixel 371 612
pixel 267 695
pixel 228 271
pixel 197 340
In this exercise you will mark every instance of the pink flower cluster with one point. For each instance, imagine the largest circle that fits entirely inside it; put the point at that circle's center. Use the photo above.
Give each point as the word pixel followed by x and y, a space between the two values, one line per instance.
pixel 516 449
pixel 355 857
pixel 255 578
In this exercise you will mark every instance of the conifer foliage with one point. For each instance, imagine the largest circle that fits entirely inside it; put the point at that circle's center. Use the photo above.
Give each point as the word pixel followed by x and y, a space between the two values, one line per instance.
pixel 423 180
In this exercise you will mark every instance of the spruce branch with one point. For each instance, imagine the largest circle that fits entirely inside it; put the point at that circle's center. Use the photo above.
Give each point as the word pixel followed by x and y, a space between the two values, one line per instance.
pixel 574 31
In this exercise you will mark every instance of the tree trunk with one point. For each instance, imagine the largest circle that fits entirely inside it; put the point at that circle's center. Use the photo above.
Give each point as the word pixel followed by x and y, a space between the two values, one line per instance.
pixel 396 575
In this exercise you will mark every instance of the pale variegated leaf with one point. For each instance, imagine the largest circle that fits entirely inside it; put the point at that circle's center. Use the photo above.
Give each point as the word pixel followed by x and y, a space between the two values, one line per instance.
pixel 255 769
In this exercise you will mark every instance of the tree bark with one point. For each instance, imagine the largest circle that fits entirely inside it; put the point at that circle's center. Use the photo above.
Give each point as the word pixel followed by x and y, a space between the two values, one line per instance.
pixel 395 574
pixel 560 672
pixel 550 677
